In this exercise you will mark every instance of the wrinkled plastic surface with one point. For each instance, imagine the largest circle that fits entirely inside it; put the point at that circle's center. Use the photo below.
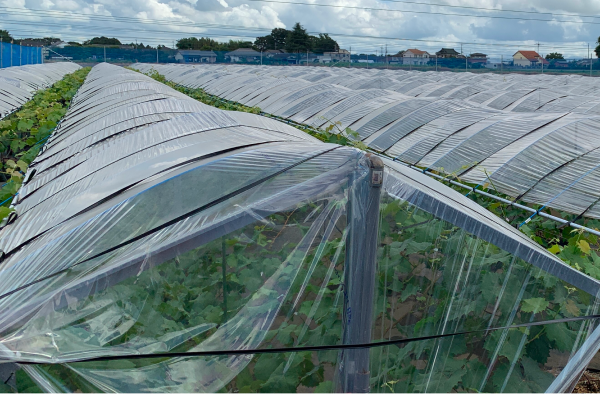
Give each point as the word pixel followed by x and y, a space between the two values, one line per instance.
pixel 250 248
pixel 19 84
pixel 472 125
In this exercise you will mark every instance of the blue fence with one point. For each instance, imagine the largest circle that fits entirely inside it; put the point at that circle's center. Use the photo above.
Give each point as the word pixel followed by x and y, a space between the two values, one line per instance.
pixel 12 55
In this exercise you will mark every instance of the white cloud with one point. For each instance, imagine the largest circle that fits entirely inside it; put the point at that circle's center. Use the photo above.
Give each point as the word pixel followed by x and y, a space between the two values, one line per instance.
pixel 245 19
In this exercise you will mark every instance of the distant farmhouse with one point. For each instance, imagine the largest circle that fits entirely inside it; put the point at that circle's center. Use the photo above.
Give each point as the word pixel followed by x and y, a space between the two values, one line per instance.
pixel 528 59
pixel 195 56
pixel 243 55
pixel 415 57
pixel 447 53
pixel 479 59
pixel 335 56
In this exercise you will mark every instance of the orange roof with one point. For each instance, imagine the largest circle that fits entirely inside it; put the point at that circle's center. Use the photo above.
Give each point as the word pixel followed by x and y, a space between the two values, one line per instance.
pixel 416 51
pixel 530 55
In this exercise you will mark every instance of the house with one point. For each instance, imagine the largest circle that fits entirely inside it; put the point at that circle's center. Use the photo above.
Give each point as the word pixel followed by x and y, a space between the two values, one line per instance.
pixel 273 53
pixel 528 59
pixel 559 64
pixel 447 53
pixel 396 58
pixel 415 57
pixel 335 56
pixel 195 56
pixel 243 55
pixel 478 58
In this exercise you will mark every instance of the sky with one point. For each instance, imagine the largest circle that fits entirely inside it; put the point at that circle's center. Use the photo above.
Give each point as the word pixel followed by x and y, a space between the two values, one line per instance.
pixel 495 27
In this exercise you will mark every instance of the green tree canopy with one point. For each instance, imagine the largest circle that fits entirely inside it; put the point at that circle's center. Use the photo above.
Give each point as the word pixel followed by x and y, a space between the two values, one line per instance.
pixel 298 40
pixel 102 40
pixel 202 43
pixel 597 50
pixel 324 43
pixel 554 56
pixel 274 41
pixel 6 37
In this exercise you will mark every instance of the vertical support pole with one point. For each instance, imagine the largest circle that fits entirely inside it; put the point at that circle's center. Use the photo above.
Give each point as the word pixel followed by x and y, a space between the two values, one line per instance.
pixel 501 63
pixel 590 54
pixel 360 276
pixel 224 268
pixel 157 54
pixel 436 56
pixel 1 54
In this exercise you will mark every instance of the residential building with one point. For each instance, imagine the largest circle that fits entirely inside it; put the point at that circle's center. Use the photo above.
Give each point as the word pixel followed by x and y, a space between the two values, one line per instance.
pixel 447 53
pixel 335 56
pixel 396 58
pixel 478 58
pixel 272 53
pixel 195 56
pixel 415 57
pixel 243 55
pixel 528 59
pixel 559 64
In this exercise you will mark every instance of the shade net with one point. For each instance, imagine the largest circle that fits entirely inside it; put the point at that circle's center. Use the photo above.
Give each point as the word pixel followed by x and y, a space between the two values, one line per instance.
pixel 258 269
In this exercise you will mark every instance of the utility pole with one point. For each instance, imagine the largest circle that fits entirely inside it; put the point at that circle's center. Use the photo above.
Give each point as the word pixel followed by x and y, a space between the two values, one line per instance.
pixel 386 57
pixel 590 56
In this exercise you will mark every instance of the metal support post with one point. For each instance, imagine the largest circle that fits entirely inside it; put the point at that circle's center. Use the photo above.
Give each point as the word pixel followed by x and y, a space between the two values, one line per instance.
pixel 590 54
pixel 436 56
pixel 157 54
pixel 360 276
pixel 1 54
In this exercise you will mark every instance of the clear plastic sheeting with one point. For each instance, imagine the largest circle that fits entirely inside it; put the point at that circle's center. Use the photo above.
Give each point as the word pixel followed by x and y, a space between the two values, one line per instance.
pixel 19 84
pixel 217 231
pixel 470 125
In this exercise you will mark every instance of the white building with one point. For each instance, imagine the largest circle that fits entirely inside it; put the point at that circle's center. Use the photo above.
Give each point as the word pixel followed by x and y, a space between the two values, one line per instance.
pixel 415 57
pixel 335 56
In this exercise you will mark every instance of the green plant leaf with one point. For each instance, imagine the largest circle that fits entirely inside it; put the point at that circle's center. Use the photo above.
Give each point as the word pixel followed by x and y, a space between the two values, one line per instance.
pixel 534 305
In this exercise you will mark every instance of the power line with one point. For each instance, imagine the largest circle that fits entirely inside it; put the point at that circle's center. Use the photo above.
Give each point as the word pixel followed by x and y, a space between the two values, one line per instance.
pixel 420 12
pixel 70 15
pixel 490 9
pixel 244 29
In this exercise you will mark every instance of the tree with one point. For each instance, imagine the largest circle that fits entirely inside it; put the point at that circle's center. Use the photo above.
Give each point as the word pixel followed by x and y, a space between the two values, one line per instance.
pixel 554 56
pixel 324 43
pixel 298 40
pixel 597 50
pixel 278 36
pixel 261 43
pixel 102 40
pixel 6 37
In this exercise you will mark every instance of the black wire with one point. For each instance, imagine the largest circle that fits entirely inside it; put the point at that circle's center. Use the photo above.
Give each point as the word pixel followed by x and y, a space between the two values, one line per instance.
pixel 53 13
pixel 162 226
pixel 305 348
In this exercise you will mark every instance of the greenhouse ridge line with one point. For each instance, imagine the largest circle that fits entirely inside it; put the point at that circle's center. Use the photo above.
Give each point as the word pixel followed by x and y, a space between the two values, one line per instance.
pixel 308 348
pixel 426 172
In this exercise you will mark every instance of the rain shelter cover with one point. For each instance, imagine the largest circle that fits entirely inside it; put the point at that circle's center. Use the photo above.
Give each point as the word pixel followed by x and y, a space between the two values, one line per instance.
pixel 19 84
pixel 536 137
pixel 162 245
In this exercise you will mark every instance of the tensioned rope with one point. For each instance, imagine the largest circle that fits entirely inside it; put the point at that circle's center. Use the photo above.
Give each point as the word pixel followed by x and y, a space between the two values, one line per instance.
pixel 308 348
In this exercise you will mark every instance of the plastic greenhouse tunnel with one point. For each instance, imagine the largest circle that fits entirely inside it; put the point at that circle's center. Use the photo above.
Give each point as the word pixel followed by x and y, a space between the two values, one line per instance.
pixel 162 245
